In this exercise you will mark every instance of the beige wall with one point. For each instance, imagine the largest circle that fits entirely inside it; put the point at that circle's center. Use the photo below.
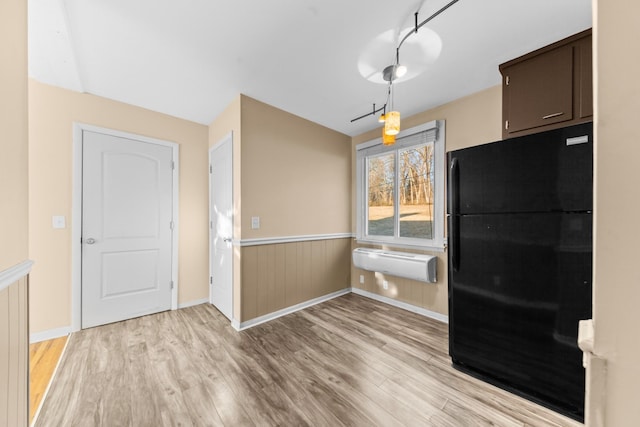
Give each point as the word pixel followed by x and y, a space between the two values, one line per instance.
pixel 617 201
pixel 14 212
pixel 295 174
pixel 296 177
pixel 287 171
pixel 470 121
pixel 13 133
pixel 52 112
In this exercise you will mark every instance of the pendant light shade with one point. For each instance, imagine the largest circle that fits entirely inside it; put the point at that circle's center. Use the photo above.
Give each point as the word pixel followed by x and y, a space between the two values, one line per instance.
pixel 392 123
pixel 387 139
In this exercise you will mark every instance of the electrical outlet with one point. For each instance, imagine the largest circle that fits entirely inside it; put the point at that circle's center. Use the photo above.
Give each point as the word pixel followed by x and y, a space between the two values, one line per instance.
pixel 385 285
pixel 362 279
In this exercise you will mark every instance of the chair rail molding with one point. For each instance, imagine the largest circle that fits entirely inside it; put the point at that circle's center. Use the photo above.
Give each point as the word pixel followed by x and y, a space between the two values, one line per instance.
pixel 15 273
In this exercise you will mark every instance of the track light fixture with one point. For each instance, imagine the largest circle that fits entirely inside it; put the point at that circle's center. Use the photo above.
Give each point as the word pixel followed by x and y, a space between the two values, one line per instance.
pixel 393 72
pixel 390 73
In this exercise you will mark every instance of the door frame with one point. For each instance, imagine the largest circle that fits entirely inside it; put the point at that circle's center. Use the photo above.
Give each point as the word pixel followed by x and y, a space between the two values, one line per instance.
pixel 227 138
pixel 76 214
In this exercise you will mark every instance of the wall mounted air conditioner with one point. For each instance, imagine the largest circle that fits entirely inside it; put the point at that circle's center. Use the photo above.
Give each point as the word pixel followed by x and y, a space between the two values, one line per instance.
pixel 402 264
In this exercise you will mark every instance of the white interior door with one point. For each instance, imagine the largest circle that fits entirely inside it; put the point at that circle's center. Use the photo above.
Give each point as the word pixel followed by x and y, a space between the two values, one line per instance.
pixel 126 228
pixel 221 232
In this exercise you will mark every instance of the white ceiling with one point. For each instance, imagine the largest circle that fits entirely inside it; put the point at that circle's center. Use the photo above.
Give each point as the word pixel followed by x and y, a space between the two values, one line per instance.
pixel 191 58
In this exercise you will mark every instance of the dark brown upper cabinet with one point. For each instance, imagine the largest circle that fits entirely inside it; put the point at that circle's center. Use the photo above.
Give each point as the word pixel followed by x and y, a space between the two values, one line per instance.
pixel 549 88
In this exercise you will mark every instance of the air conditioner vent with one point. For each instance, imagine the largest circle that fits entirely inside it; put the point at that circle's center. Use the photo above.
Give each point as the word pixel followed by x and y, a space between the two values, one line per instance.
pixel 412 266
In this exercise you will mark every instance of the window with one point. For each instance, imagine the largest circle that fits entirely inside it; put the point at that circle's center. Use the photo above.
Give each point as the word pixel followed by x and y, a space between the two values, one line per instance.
pixel 400 189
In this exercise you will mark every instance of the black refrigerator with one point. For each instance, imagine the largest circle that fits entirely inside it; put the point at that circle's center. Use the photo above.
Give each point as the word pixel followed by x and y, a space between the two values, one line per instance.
pixel 520 267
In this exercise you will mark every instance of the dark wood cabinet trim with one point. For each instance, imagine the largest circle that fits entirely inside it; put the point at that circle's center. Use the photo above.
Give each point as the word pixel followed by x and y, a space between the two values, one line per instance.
pixel 568 40
pixel 582 84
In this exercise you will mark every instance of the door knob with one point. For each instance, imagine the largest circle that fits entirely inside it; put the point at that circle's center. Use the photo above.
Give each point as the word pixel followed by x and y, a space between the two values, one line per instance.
pixel 227 239
pixel 90 241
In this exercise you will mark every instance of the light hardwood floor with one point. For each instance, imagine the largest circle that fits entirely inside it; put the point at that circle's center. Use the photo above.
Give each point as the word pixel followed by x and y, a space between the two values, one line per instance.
pixel 43 359
pixel 349 361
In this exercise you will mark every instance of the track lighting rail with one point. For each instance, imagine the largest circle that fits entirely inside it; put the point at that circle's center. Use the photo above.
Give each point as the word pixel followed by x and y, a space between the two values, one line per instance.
pixel 423 23
pixel 390 77
pixel 372 113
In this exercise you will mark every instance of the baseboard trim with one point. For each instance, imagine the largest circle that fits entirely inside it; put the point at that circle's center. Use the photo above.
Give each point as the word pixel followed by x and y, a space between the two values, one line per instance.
pixel 53 377
pixel 403 305
pixel 49 334
pixel 271 316
pixel 194 302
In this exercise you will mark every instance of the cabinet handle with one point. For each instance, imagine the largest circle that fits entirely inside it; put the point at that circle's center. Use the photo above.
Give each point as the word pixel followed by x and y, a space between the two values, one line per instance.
pixel 549 116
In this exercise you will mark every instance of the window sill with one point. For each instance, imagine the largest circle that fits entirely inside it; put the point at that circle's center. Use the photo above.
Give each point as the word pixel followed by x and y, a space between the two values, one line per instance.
pixel 402 245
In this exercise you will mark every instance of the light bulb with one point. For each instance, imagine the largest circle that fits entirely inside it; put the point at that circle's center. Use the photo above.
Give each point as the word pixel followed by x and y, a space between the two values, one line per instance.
pixel 401 70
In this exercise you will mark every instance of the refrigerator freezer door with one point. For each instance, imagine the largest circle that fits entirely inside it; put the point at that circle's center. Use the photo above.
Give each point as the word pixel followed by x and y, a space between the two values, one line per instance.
pixel 544 172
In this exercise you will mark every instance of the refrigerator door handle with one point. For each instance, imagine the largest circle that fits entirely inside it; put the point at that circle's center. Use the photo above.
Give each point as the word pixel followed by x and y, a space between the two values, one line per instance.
pixel 454 245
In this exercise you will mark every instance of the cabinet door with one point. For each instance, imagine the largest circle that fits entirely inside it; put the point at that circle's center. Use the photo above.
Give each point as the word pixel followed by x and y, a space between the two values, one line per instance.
pixel 585 79
pixel 539 90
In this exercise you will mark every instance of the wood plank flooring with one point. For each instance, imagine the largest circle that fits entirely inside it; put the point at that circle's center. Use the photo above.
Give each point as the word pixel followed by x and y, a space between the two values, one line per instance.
pixel 43 359
pixel 350 361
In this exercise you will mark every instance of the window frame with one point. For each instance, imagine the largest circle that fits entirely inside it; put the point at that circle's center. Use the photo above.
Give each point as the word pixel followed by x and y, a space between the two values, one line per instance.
pixel 375 148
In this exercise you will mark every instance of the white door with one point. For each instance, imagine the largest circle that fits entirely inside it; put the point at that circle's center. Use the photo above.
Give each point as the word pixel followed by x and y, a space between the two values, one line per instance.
pixel 221 232
pixel 126 228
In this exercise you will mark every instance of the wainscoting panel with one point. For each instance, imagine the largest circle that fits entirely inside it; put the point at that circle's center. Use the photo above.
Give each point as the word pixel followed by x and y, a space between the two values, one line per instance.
pixel 14 354
pixel 281 275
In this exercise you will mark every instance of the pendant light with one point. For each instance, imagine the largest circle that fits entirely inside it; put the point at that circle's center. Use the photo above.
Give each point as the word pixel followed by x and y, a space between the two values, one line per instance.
pixel 392 118
pixel 392 123
pixel 392 72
